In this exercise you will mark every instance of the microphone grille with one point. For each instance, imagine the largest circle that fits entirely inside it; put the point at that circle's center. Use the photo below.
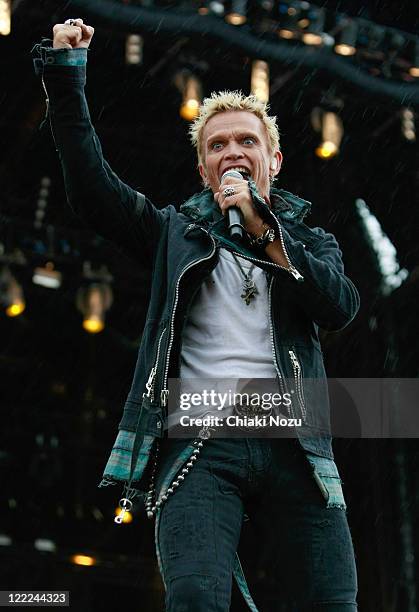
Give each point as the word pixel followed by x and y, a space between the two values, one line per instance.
pixel 232 173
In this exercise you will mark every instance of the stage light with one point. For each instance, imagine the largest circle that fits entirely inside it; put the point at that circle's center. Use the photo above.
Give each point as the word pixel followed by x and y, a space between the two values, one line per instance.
pixel 289 25
pixel 330 126
pixel 259 84
pixel 237 15
pixel 203 9
pixel 346 39
pixel 408 124
pixel 189 109
pixel 5 540
pixel 313 35
pixel 134 49
pixel 216 8
pixel 190 87
pixel 11 293
pixel 14 310
pixel 126 516
pixel 47 276
pixel 414 69
pixel 5 17
pixel 392 274
pixel 288 34
pixel 93 301
pixel 16 301
pixel 85 560
pixel 45 545
pixel 326 149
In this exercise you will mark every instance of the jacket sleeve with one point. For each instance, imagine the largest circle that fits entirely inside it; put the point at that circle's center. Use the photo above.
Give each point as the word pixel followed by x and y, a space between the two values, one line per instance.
pixel 95 193
pixel 327 296
pixel 315 275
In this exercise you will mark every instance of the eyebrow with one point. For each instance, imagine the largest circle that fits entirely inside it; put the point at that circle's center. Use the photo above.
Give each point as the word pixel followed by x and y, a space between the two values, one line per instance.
pixel 243 134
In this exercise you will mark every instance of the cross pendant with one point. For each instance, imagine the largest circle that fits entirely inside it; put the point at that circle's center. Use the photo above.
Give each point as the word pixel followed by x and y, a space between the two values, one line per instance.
pixel 250 290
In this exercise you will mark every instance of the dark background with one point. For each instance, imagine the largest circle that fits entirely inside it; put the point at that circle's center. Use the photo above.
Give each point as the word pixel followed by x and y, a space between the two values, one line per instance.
pixel 62 390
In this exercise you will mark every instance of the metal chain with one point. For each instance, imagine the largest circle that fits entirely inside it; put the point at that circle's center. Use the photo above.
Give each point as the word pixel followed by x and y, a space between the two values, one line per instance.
pixel 151 505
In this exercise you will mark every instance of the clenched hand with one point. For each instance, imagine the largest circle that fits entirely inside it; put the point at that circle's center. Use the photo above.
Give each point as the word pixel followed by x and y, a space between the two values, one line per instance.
pixel 73 34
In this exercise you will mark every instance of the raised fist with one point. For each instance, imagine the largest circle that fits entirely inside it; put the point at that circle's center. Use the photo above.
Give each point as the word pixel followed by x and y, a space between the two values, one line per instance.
pixel 73 34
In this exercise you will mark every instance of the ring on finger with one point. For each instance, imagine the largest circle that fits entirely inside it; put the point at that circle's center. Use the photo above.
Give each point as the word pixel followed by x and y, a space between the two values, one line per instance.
pixel 229 191
pixel 71 22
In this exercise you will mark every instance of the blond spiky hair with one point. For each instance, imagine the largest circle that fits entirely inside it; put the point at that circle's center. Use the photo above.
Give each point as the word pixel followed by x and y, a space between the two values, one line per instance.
pixel 223 101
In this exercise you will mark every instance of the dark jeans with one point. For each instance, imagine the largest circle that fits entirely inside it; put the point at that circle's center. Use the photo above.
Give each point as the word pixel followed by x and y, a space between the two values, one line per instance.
pixel 271 482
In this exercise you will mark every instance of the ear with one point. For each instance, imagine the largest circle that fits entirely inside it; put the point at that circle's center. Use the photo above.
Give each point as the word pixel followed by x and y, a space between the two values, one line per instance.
pixel 276 162
pixel 203 174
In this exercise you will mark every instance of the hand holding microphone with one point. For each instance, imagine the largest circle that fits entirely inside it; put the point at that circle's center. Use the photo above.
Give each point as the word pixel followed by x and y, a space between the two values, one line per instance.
pixel 234 214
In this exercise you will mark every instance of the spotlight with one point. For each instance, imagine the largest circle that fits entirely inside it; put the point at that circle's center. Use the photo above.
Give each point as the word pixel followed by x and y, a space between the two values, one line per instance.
pixel 190 87
pixel 346 39
pixel 203 8
pixel 11 293
pixel 47 276
pixel 326 149
pixel 5 540
pixel 392 274
pixel 85 560
pixel 289 19
pixel 237 15
pixel 313 35
pixel 45 545
pixel 260 80
pixel 95 297
pixel 93 301
pixel 414 69
pixel 216 8
pixel 331 128
pixel 134 49
pixel 5 17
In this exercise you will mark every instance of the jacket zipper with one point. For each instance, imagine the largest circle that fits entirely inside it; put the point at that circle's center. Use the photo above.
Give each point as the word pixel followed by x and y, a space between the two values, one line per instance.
pixel 150 382
pixel 165 391
pixel 298 382
pixel 275 360
pixel 291 270
pixel 280 376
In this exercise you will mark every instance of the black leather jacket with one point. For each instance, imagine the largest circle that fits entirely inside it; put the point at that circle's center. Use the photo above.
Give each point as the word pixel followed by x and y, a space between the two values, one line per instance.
pixel 183 248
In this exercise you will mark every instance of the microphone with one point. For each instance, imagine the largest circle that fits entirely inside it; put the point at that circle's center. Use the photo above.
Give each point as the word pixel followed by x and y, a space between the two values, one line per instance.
pixel 235 215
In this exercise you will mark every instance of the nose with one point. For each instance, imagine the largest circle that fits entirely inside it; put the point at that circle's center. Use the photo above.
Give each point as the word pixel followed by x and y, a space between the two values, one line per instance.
pixel 233 151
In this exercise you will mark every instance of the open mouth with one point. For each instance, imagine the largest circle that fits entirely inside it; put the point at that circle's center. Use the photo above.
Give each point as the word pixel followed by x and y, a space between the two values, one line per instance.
pixel 243 171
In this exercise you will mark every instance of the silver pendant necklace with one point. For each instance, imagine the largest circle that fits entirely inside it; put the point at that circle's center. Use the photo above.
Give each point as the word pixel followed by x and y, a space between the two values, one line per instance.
pixel 250 290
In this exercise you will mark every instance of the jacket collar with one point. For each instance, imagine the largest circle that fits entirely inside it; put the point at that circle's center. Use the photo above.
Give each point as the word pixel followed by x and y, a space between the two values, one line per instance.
pixel 285 205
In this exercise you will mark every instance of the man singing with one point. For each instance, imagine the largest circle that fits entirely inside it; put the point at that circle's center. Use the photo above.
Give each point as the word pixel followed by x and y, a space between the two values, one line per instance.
pixel 220 309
